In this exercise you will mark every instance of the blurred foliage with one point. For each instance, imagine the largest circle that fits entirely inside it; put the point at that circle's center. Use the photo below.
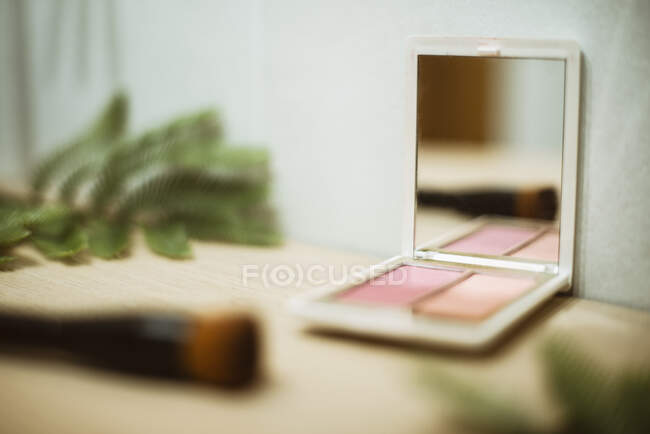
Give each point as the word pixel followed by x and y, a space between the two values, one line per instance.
pixel 590 399
pixel 108 239
pixel 177 181
pixel 169 239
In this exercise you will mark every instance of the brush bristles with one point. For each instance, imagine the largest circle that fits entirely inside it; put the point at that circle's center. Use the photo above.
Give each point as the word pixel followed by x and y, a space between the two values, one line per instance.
pixel 539 204
pixel 223 350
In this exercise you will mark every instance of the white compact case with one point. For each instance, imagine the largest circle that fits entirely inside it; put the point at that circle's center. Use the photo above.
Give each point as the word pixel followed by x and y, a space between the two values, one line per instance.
pixel 327 308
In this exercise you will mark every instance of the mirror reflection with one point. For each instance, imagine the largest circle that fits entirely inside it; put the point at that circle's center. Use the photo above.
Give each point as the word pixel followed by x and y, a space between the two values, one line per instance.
pixel 489 150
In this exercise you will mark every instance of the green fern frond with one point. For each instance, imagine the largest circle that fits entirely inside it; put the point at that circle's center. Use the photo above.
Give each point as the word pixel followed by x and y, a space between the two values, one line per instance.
pixel 168 239
pixel 591 399
pixel 12 221
pixel 110 125
pixel 108 239
pixel 155 147
pixel 50 221
pixel 201 126
pixel 174 180
pixel 193 191
pixel 30 215
pixel 5 259
pixel 217 157
pixel 53 229
pixel 477 410
pixel 578 384
pixel 632 401
pixel 112 122
pixel 256 225
pixel 12 233
pixel 71 185
pixel 63 245
pixel 10 202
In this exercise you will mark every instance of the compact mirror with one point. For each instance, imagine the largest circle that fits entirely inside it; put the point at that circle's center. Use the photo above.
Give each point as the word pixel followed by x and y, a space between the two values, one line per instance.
pixel 489 156
pixel 490 180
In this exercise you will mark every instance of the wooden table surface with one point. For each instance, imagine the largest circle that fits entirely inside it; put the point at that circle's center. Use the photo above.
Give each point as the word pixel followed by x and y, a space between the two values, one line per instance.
pixel 312 383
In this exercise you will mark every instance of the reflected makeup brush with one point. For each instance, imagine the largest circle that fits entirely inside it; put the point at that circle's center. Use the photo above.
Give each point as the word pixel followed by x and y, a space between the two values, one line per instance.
pixel 535 203
pixel 222 350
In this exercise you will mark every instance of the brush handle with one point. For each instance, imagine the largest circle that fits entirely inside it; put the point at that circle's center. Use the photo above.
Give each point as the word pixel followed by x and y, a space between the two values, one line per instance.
pixel 221 350
pixel 28 331
pixel 147 344
pixel 541 203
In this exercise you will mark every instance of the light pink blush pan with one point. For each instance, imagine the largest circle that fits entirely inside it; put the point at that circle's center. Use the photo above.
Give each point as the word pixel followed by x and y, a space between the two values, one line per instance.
pixel 492 240
pixel 401 286
pixel 475 297
pixel 545 248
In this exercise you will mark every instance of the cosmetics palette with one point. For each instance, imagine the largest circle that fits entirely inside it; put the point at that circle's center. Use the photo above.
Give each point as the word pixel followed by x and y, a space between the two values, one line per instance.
pixel 468 287
pixel 440 292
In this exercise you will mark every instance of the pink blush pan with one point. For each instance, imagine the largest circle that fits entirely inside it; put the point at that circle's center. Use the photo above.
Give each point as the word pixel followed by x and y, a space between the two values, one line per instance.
pixel 492 240
pixel 401 286
pixel 475 297
pixel 545 248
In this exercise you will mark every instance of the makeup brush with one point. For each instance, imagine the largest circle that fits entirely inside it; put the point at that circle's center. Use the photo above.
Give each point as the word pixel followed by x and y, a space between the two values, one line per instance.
pixel 222 350
pixel 536 203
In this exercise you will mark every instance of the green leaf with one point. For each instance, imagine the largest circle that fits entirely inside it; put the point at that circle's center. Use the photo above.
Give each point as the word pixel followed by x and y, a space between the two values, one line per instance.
pixel 61 246
pixel 168 239
pixel 110 125
pixel 253 162
pixel 160 146
pixel 201 126
pixel 5 259
pixel 51 221
pixel 9 202
pixel 187 189
pixel 580 386
pixel 241 157
pixel 73 182
pixel 632 402
pixel 477 410
pixel 113 121
pixel 18 222
pixel 108 239
pixel 178 172
pixel 12 234
pixel 255 225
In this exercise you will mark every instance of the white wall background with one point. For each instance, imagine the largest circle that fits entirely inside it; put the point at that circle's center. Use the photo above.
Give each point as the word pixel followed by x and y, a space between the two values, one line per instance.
pixel 322 84
pixel 11 161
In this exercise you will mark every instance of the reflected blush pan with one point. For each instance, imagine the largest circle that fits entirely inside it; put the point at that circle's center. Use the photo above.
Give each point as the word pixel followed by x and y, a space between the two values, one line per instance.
pixel 401 286
pixel 475 297
pixel 545 248
pixel 492 240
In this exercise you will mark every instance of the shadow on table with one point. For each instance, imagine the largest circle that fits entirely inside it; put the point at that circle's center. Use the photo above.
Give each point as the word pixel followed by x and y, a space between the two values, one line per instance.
pixel 20 262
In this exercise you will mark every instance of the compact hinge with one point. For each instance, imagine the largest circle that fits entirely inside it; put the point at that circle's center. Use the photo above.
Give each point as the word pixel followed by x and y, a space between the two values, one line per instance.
pixel 488 50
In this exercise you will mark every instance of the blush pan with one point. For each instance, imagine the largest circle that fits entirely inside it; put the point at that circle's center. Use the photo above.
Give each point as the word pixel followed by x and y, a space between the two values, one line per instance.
pixel 401 286
pixel 493 240
pixel 545 248
pixel 475 297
